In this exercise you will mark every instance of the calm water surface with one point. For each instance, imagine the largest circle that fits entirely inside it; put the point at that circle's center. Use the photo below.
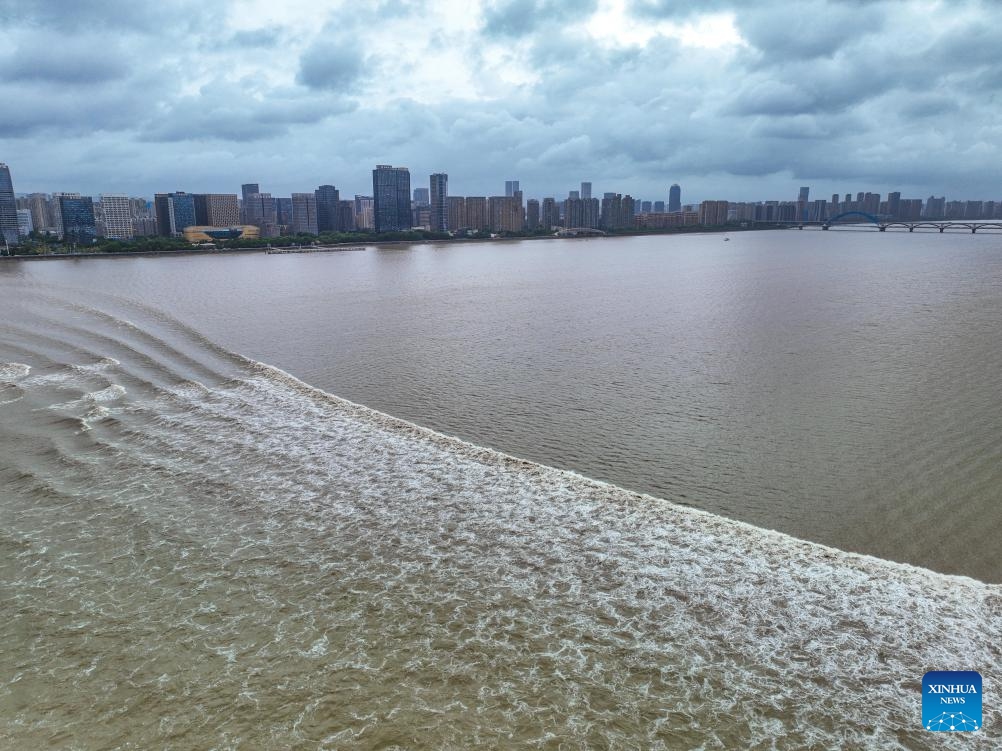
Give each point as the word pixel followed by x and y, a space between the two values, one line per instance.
pixel 200 550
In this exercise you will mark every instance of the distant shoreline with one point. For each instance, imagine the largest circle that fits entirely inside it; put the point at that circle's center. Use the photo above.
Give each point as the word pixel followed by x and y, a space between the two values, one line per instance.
pixel 339 247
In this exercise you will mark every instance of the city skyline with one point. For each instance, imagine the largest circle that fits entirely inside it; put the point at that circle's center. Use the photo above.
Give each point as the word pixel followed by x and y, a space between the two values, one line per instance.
pixel 629 93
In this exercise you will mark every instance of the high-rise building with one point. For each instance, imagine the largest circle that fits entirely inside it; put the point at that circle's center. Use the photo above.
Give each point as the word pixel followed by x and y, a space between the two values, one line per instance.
pixel 117 215
pixel 894 204
pixel 304 213
pixel 260 210
pixel 364 213
pixel 79 225
pixel 532 214
pixel 439 192
pixel 24 225
pixel 505 213
pixel 391 193
pixel 56 211
pixel 714 213
pixel 8 208
pixel 38 204
pixel 421 196
pixel 674 198
pixel 549 214
pixel 249 189
pixel 586 191
pixel 659 207
pixel 345 218
pixel 574 195
pixel 456 212
pixel 511 188
pixel 175 211
pixel 477 217
pixel 327 198
pixel 646 207
pixel 221 209
pixel 283 213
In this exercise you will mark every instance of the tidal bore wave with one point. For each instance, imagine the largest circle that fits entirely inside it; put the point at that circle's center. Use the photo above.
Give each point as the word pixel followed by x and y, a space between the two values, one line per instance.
pixel 201 551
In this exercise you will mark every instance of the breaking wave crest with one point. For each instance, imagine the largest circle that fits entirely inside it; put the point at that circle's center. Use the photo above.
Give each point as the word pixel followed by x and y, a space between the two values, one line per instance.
pixel 229 557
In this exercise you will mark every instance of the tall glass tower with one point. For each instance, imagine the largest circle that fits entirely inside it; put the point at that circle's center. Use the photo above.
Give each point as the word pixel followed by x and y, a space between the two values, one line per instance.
pixel 675 198
pixel 439 192
pixel 391 194
pixel 8 208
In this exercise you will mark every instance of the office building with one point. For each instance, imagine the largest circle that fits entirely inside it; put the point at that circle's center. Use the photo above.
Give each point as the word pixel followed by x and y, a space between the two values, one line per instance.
pixel 327 199
pixel 439 192
pixel 532 214
pixel 511 188
pixel 79 225
pixel 894 205
pixel 24 225
pixel 422 196
pixel 659 207
pixel 217 209
pixel 249 189
pixel 304 213
pixel 345 217
pixel 261 211
pixel 174 212
pixel 455 208
pixel 364 219
pixel 549 214
pixel 674 198
pixel 8 208
pixel 283 214
pixel 116 215
pixel 714 213
pixel 391 193
pixel 477 217
pixel 586 191
pixel 505 213
pixel 38 205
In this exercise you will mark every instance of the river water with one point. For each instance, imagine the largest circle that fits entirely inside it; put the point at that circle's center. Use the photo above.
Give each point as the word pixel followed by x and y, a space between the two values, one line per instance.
pixel 202 547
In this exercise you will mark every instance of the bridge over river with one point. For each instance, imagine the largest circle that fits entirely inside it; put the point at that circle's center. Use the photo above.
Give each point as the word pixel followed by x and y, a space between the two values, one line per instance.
pixel 857 220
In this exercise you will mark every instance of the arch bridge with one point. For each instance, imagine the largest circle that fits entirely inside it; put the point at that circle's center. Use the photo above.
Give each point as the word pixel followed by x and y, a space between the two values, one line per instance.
pixel 882 224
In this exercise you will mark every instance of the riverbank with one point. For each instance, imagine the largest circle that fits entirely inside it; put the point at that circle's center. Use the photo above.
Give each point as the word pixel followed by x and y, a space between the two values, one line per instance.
pixel 356 245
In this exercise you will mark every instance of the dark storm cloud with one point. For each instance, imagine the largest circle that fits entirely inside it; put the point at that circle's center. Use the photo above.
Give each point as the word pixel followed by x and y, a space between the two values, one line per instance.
pixel 74 62
pixel 514 18
pixel 815 91
pixel 331 65
pixel 85 16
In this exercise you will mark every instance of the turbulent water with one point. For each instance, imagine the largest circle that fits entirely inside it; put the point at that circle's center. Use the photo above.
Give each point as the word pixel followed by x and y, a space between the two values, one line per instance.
pixel 200 551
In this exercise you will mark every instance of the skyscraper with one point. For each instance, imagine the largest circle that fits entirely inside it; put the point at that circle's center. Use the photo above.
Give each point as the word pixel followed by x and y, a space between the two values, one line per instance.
pixel 304 213
pixel 674 198
pixel 249 189
pixel 24 225
pixel 532 214
pixel 175 211
pixel 421 196
pixel 586 190
pixel 456 212
pixel 327 198
pixel 78 219
pixel 511 188
pixel 894 204
pixel 439 194
pixel 550 214
pixel 363 212
pixel 391 193
pixel 117 210
pixel 8 208
pixel 477 216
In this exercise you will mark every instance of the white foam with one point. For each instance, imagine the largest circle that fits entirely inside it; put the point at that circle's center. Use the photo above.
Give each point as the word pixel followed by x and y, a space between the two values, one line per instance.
pixel 13 371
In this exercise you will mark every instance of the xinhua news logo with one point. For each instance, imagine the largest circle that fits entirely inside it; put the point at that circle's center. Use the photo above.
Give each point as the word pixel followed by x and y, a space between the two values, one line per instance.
pixel 951 701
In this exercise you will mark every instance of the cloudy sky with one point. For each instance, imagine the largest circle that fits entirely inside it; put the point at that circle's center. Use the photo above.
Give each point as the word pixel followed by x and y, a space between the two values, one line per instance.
pixel 735 100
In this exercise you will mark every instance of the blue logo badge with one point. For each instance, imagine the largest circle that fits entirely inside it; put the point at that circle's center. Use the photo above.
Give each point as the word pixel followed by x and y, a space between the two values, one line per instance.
pixel 951 700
